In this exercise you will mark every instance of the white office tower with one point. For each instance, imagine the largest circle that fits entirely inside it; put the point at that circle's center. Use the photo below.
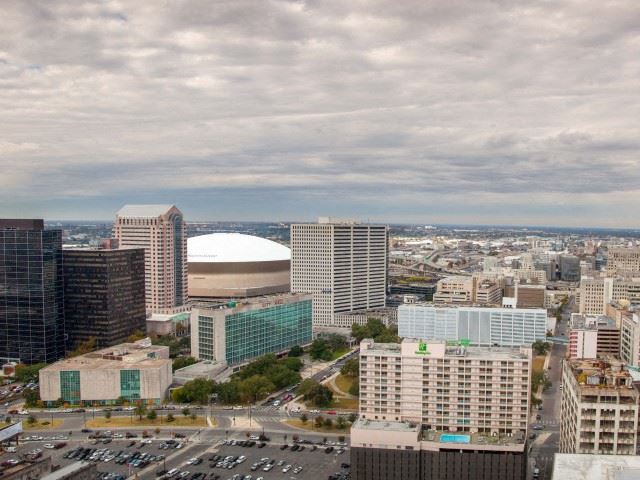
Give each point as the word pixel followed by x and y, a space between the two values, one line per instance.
pixel 504 327
pixel 162 232
pixel 343 264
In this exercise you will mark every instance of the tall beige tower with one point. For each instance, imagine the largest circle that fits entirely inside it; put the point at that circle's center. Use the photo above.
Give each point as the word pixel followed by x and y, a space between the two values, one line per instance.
pixel 162 232
pixel 342 263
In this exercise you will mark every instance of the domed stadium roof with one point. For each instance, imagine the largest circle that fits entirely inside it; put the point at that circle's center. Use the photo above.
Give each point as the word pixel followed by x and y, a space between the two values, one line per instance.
pixel 234 247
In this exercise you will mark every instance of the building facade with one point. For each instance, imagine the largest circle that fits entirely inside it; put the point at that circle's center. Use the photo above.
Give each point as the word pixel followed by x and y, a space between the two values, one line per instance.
pixel 446 386
pixel 623 261
pixel 342 264
pixel 103 295
pixel 161 231
pixel 32 326
pixel 597 293
pixel 630 339
pixel 599 408
pixel 238 332
pixel 510 327
pixel 454 290
pixel 593 336
pixel 128 372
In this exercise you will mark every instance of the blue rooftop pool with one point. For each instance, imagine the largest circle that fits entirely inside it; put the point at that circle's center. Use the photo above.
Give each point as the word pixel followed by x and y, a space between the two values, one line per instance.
pixel 455 438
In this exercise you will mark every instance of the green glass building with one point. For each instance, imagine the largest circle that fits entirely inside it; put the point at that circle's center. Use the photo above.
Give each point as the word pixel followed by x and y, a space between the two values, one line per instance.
pixel 240 333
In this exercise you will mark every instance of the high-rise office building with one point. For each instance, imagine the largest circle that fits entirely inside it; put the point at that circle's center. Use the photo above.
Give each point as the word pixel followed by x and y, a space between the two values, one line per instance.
pixel 596 293
pixel 31 292
pixel 342 264
pixel 103 295
pixel 623 261
pixel 504 327
pixel 162 232
pixel 237 332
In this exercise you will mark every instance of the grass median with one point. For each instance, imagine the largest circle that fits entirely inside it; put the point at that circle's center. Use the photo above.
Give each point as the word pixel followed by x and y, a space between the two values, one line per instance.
pixel 43 425
pixel 123 422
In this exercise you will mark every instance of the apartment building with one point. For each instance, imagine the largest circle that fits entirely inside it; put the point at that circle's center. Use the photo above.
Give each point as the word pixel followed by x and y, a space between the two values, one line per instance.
pixel 623 261
pixel 504 327
pixel 599 408
pixel 162 232
pixel 342 264
pixel 597 293
pixel 593 336
pixel 446 386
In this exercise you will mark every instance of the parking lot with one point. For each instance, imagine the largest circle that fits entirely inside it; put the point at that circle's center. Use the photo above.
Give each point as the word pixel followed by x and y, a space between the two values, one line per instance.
pixel 312 462
pixel 120 458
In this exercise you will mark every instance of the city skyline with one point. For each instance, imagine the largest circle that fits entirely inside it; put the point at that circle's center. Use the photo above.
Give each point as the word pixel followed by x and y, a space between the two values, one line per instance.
pixel 406 112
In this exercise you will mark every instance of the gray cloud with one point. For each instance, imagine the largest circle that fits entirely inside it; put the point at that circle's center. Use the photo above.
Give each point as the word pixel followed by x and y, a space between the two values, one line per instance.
pixel 510 108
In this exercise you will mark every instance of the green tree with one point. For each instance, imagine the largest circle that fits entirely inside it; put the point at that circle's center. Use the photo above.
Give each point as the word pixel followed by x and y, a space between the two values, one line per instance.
pixel 293 363
pixel 82 348
pixel 194 391
pixel 120 400
pixel 228 392
pixel 186 412
pixel 306 385
pixel 352 418
pixel 152 415
pixel 341 422
pixel 107 414
pixel 182 362
pixel 170 418
pixel 255 388
pixel 140 410
pixel 135 336
pixel 351 368
pixel 296 351
pixel 320 350
pixel 304 419
pixel 28 373
pixel 31 420
pixel 193 417
pixel 540 347
pixel 31 397
pixel 328 422
pixel 320 396
pixel 336 342
pixel 319 421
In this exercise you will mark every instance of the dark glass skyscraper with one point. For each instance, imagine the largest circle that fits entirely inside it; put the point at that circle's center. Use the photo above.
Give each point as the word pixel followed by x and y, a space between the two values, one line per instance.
pixel 104 295
pixel 31 292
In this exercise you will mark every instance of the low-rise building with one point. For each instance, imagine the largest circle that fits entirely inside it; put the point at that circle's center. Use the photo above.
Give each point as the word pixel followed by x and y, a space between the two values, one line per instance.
pixel 237 332
pixel 593 336
pixel 454 290
pixel 599 408
pixel 127 372
pixel 569 466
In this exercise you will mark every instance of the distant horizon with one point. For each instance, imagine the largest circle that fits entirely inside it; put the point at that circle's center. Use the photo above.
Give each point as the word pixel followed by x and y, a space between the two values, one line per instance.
pixel 400 224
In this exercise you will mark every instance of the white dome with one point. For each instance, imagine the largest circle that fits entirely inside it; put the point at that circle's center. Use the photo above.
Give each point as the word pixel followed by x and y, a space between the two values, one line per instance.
pixel 234 247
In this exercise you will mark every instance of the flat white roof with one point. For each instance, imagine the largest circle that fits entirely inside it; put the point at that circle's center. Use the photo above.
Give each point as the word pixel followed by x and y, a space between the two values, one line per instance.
pixel 234 247
pixel 568 466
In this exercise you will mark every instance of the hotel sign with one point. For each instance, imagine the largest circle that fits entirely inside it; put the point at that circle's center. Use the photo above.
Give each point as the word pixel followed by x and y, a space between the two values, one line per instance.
pixel 423 349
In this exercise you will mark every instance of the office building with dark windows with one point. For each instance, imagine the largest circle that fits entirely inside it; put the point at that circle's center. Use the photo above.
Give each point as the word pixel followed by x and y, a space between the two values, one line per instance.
pixel 161 231
pixel 32 327
pixel 103 295
pixel 128 372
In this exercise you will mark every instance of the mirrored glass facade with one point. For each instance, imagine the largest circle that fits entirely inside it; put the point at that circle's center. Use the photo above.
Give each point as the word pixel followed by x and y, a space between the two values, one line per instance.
pixel 31 292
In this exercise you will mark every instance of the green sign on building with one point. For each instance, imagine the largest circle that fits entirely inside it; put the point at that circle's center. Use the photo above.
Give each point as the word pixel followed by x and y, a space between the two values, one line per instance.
pixel 423 349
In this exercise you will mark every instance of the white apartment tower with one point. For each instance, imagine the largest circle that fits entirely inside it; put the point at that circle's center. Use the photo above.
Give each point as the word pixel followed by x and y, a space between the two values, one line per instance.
pixel 447 386
pixel 342 264
pixel 162 232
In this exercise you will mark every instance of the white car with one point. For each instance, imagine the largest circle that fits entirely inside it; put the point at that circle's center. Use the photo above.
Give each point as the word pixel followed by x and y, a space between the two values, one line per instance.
pixel 49 445
pixel 286 469
pixel 254 437
pixel 191 461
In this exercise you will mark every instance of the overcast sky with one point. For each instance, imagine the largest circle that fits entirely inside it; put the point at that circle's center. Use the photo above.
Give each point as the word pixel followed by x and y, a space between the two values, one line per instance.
pixel 501 112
